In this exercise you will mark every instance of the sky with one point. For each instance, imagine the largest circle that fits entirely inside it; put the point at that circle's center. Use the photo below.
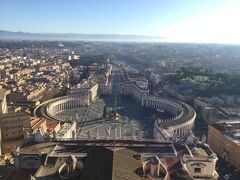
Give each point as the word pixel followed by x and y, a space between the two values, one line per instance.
pixel 214 21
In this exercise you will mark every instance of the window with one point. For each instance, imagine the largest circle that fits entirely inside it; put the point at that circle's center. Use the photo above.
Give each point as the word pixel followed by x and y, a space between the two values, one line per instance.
pixel 197 170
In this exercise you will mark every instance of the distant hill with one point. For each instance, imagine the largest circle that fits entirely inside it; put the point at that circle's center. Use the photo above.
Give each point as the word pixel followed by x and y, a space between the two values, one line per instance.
pixel 8 35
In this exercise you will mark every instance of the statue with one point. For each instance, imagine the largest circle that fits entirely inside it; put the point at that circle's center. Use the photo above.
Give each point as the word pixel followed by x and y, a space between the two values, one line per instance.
pixel 108 132
pixel 89 135
pixel 190 139
pixel 204 138
pixel 104 112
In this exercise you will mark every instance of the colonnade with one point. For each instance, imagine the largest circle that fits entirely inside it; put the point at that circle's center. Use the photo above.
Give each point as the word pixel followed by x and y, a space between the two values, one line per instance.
pixel 67 102
pixel 183 130
pixel 180 126
pixel 171 107
pixel 183 115
pixel 181 122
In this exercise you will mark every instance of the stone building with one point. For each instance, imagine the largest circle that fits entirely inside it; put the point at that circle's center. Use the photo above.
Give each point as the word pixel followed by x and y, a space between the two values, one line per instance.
pixel 11 127
pixel 224 139
pixel 200 163
pixel 12 124
pixel 3 101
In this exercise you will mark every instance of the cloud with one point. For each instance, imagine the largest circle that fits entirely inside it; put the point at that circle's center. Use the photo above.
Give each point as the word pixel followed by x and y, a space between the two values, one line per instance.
pixel 219 26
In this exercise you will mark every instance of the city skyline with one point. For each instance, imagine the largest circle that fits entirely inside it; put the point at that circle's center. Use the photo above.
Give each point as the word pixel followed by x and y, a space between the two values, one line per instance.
pixel 162 108
pixel 175 21
pixel 127 89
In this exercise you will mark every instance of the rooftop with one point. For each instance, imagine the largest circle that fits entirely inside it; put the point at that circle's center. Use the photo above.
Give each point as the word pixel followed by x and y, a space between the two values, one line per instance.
pixel 199 152
pixel 37 148
pixel 14 114
pixel 103 159
pixel 231 129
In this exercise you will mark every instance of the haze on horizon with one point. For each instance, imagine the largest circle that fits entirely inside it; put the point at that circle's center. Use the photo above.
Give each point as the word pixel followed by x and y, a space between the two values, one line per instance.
pixel 204 21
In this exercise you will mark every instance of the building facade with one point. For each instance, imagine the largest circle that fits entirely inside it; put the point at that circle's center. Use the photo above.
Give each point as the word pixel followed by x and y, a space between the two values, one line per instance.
pixel 224 139
pixel 12 124
pixel 134 89
pixel 11 128
pixel 3 101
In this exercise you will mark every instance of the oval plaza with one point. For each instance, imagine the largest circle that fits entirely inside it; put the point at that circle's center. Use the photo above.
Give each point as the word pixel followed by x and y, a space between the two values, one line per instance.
pixel 176 125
